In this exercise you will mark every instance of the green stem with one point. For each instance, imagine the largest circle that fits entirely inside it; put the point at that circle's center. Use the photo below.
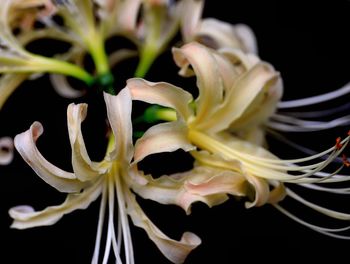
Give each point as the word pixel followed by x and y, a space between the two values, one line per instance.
pixel 98 53
pixel 148 56
pixel 62 67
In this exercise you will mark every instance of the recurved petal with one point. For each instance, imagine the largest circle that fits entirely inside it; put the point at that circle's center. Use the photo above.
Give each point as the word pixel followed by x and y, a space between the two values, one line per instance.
pixel 57 178
pixel 63 88
pixel 162 94
pixel 119 116
pixel 251 85
pixel 6 150
pixel 175 251
pixel 84 169
pixel 26 217
pixel 261 191
pixel 209 81
pixel 165 137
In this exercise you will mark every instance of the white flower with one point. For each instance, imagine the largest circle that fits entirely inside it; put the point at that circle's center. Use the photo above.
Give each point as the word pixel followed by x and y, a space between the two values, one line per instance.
pixel 110 178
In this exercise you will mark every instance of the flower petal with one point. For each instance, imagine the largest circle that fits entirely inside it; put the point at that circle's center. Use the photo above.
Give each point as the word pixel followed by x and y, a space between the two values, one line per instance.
pixel 165 137
pixel 119 116
pixel 203 183
pixel 261 191
pixel 6 150
pixel 208 79
pixel 225 35
pixel 162 94
pixel 25 216
pixel 250 87
pixel 190 18
pixel 57 178
pixel 175 251
pixel 84 169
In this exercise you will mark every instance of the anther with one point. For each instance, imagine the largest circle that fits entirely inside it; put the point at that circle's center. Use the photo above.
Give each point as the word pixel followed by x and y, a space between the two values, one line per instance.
pixel 338 144
pixel 345 161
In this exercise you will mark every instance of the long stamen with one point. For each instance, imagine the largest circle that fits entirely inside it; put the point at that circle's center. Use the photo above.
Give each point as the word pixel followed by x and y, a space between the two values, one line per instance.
pixel 101 218
pixel 265 167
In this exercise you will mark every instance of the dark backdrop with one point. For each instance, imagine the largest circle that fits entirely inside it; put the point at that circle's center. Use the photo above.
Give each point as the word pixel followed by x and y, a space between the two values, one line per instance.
pixel 307 42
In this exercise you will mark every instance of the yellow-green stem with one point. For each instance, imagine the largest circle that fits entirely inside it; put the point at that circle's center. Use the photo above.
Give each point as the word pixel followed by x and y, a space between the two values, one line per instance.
pixel 62 67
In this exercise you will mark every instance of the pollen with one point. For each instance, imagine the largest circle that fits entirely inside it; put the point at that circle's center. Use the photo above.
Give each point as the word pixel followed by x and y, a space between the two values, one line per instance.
pixel 345 160
pixel 338 143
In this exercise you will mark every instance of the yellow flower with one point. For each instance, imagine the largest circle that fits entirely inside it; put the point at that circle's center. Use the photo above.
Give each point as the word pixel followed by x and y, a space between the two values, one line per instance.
pixel 223 130
pixel 110 178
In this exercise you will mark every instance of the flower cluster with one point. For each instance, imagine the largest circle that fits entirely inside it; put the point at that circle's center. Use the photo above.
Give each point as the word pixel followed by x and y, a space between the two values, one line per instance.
pixel 223 127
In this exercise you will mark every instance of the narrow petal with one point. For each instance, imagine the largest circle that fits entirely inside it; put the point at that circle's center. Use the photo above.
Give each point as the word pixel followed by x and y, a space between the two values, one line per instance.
pixel 6 150
pixel 209 81
pixel 165 137
pixel 119 116
pixel 63 88
pixel 190 18
pixel 175 251
pixel 162 94
pixel 84 169
pixel 57 178
pixel 25 216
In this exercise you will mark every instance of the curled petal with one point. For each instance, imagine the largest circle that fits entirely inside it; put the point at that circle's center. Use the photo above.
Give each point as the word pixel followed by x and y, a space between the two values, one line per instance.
pixel 25 216
pixel 261 191
pixel 175 251
pixel 6 150
pixel 84 169
pixel 57 178
pixel 208 79
pixel 63 88
pixel 120 55
pixel 277 194
pixel 165 137
pixel 162 94
pixel 119 116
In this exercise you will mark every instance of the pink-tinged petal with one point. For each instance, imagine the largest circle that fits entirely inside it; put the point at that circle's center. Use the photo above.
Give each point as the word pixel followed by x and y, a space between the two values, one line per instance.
pixel 175 251
pixel 127 15
pixel 8 84
pixel 251 88
pixel 26 217
pixel 84 169
pixel 190 18
pixel 208 79
pixel 119 116
pixel 202 184
pixel 6 150
pixel 162 94
pixel 57 178
pixel 165 137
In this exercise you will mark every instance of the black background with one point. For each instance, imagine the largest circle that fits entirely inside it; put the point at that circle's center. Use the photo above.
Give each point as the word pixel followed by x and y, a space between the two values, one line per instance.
pixel 307 42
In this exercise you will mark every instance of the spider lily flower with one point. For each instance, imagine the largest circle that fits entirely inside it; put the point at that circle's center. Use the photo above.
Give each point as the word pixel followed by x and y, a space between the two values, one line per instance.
pixel 213 32
pixel 6 150
pixel 223 130
pixel 110 178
